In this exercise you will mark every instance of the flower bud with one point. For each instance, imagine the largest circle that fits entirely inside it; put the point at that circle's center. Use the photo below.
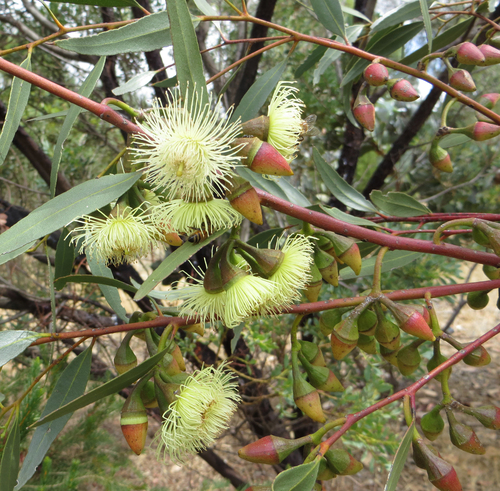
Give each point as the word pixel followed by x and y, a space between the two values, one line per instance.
pixel 134 420
pixel 488 416
pixel 325 473
pixel 264 262
pixel 125 358
pixel 341 348
pixel 342 462
pixel 467 54
pixel 166 393
pixel 409 358
pixel 440 158
pixel 402 90
pixel 461 79
pixel 489 100
pixel 321 378
pixel 436 360
pixel 364 112
pixel 478 358
pixel 463 436
pixel 271 449
pixel 148 395
pixel 345 250
pixel 389 355
pixel 177 354
pixel 263 158
pixel 306 397
pixel 386 332
pixel 344 337
pixel 244 199
pixel 367 344
pixel 478 300
pixel 314 286
pixel 491 272
pixel 491 55
pixel 258 127
pixel 196 328
pixel 410 320
pixel 479 131
pixel 376 74
pixel 329 319
pixel 367 322
pixel 312 353
pixel 420 453
pixel 327 266
pixel 432 423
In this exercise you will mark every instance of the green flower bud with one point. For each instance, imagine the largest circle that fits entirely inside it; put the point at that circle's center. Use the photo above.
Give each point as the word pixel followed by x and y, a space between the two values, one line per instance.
pixel 367 344
pixel 432 423
pixel 321 377
pixel 312 353
pixel 125 358
pixel 409 358
pixel 342 462
pixel 463 436
pixel 367 322
pixel 478 300
pixel 327 266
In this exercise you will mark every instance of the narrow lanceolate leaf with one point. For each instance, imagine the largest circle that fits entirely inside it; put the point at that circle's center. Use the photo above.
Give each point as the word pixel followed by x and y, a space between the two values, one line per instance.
pixel 70 385
pixel 257 181
pixel 263 239
pixel 255 97
pixel 136 82
pixel 298 478
pixel 424 8
pixel 186 50
pixel 392 260
pixel 171 262
pixel 101 3
pixel 330 14
pixel 345 217
pixel 111 294
pixel 63 209
pixel 98 280
pixel 111 387
pixel 73 112
pixel 13 343
pixel 65 255
pixel 292 193
pixel 402 13
pixel 399 459
pixel 398 204
pixel 10 457
pixel 355 13
pixel 16 252
pixel 453 140
pixel 18 98
pixel 344 192
pixel 147 34
pixel 311 60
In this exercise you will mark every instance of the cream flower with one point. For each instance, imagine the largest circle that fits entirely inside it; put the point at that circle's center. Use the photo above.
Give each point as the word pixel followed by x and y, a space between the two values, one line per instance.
pixel 186 147
pixel 285 121
pixel 184 217
pixel 201 412
pixel 123 237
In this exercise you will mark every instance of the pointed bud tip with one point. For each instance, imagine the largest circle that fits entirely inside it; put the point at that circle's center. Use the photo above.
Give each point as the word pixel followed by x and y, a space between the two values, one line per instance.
pixel 135 435
pixel 402 90
pixel 268 160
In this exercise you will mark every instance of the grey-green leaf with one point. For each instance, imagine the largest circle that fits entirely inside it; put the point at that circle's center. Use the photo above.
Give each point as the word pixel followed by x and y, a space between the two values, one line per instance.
pixel 73 112
pixel 257 94
pixel 98 280
pixel 311 60
pixel 398 204
pixel 111 387
pixel 136 82
pixel 18 98
pixel 171 262
pixel 298 478
pixel 262 239
pixel 16 252
pixel 13 343
pixel 146 34
pixel 101 3
pixel 392 260
pixel 424 9
pixel 10 457
pixel 402 13
pixel 329 13
pixel 453 140
pixel 65 255
pixel 292 193
pixel 63 209
pixel 355 13
pixel 257 181
pixel 343 191
pixel 345 217
pixel 400 459
pixel 70 385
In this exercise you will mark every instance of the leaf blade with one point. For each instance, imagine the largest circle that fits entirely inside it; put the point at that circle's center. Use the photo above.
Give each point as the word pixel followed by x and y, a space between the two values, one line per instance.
pixel 13 343
pixel 329 13
pixel 400 459
pixel 299 478
pixel 398 204
pixel 10 458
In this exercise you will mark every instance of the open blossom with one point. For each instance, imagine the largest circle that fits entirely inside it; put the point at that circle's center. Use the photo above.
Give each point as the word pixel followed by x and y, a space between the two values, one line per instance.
pixel 186 147
pixel 200 413
pixel 123 237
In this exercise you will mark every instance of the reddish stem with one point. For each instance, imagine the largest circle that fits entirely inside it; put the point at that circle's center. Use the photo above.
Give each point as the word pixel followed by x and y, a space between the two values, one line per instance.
pixel 437 217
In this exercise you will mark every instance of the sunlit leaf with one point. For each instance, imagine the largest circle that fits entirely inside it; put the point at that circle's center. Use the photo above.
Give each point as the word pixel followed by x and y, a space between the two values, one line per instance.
pixel 398 204
pixel 136 82
pixel 400 459
pixel 13 343
pixel 298 478
pixel 10 457
pixel 329 13
pixel 399 14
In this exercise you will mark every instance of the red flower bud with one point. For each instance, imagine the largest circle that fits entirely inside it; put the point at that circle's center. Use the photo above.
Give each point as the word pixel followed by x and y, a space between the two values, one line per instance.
pixel 364 112
pixel 134 420
pixel 462 80
pixel 463 436
pixel 440 158
pixel 488 416
pixel 271 449
pixel 467 54
pixel 491 55
pixel 402 90
pixel 410 320
pixel 489 100
pixel 244 199
pixel 376 74
pixel 263 158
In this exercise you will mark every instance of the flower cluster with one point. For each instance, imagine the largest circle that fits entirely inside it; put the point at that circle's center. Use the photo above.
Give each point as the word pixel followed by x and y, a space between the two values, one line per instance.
pixel 199 414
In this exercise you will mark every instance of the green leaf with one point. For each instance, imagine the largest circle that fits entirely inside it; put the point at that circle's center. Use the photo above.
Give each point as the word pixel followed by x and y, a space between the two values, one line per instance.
pixel 98 280
pixel 447 37
pixel 65 255
pixel 167 83
pixel 424 9
pixel 402 13
pixel 205 7
pixel 101 3
pixel 171 262
pixel 70 385
pixel 57 114
pixel 329 13
pixel 311 60
pixel 392 260
pixel 384 46
pixel 111 293
pixel 10 457
pixel 18 98
pixel 146 34
pixel 257 94
pixel 398 204
pixel 400 459
pixel 344 192
pixel 16 252
pixel 257 181
pixel 345 217
pixel 111 387
pixel 73 112
pixel 136 82
pixel 262 239
pixel 63 209
pixel 186 49
pixel 355 13
pixel 453 140
pixel 292 193
pixel 298 478
pixel 13 343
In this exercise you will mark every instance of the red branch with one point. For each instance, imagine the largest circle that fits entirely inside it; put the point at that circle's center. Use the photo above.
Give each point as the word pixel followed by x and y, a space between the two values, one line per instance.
pixel 327 222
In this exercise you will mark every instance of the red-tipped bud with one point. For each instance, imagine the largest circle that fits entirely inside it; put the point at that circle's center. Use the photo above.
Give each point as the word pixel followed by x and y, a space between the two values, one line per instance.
pixel 341 348
pixel 409 358
pixel 263 158
pixel 327 266
pixel 367 344
pixel 171 238
pixel 488 416
pixel 432 424
pixel 134 420
pixel 367 322
pixel 312 353
pixel 177 354
pixel 376 74
pixel 321 377
pixel 329 319
pixel 489 100
pixel 125 358
pixel 478 358
pixel 478 300
pixel 491 55
pixel 271 449
pixel 480 131
pixel 342 462
pixel 440 158
pixel 491 272
pixel 364 112
pixel 402 90
pixel 244 199
pixel 463 436
pixel 467 54
pixel 462 80
pixel 410 320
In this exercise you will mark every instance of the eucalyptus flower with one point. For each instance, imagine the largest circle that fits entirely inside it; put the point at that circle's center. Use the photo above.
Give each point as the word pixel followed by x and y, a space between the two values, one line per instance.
pixel 199 414
pixel 122 237
pixel 186 146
